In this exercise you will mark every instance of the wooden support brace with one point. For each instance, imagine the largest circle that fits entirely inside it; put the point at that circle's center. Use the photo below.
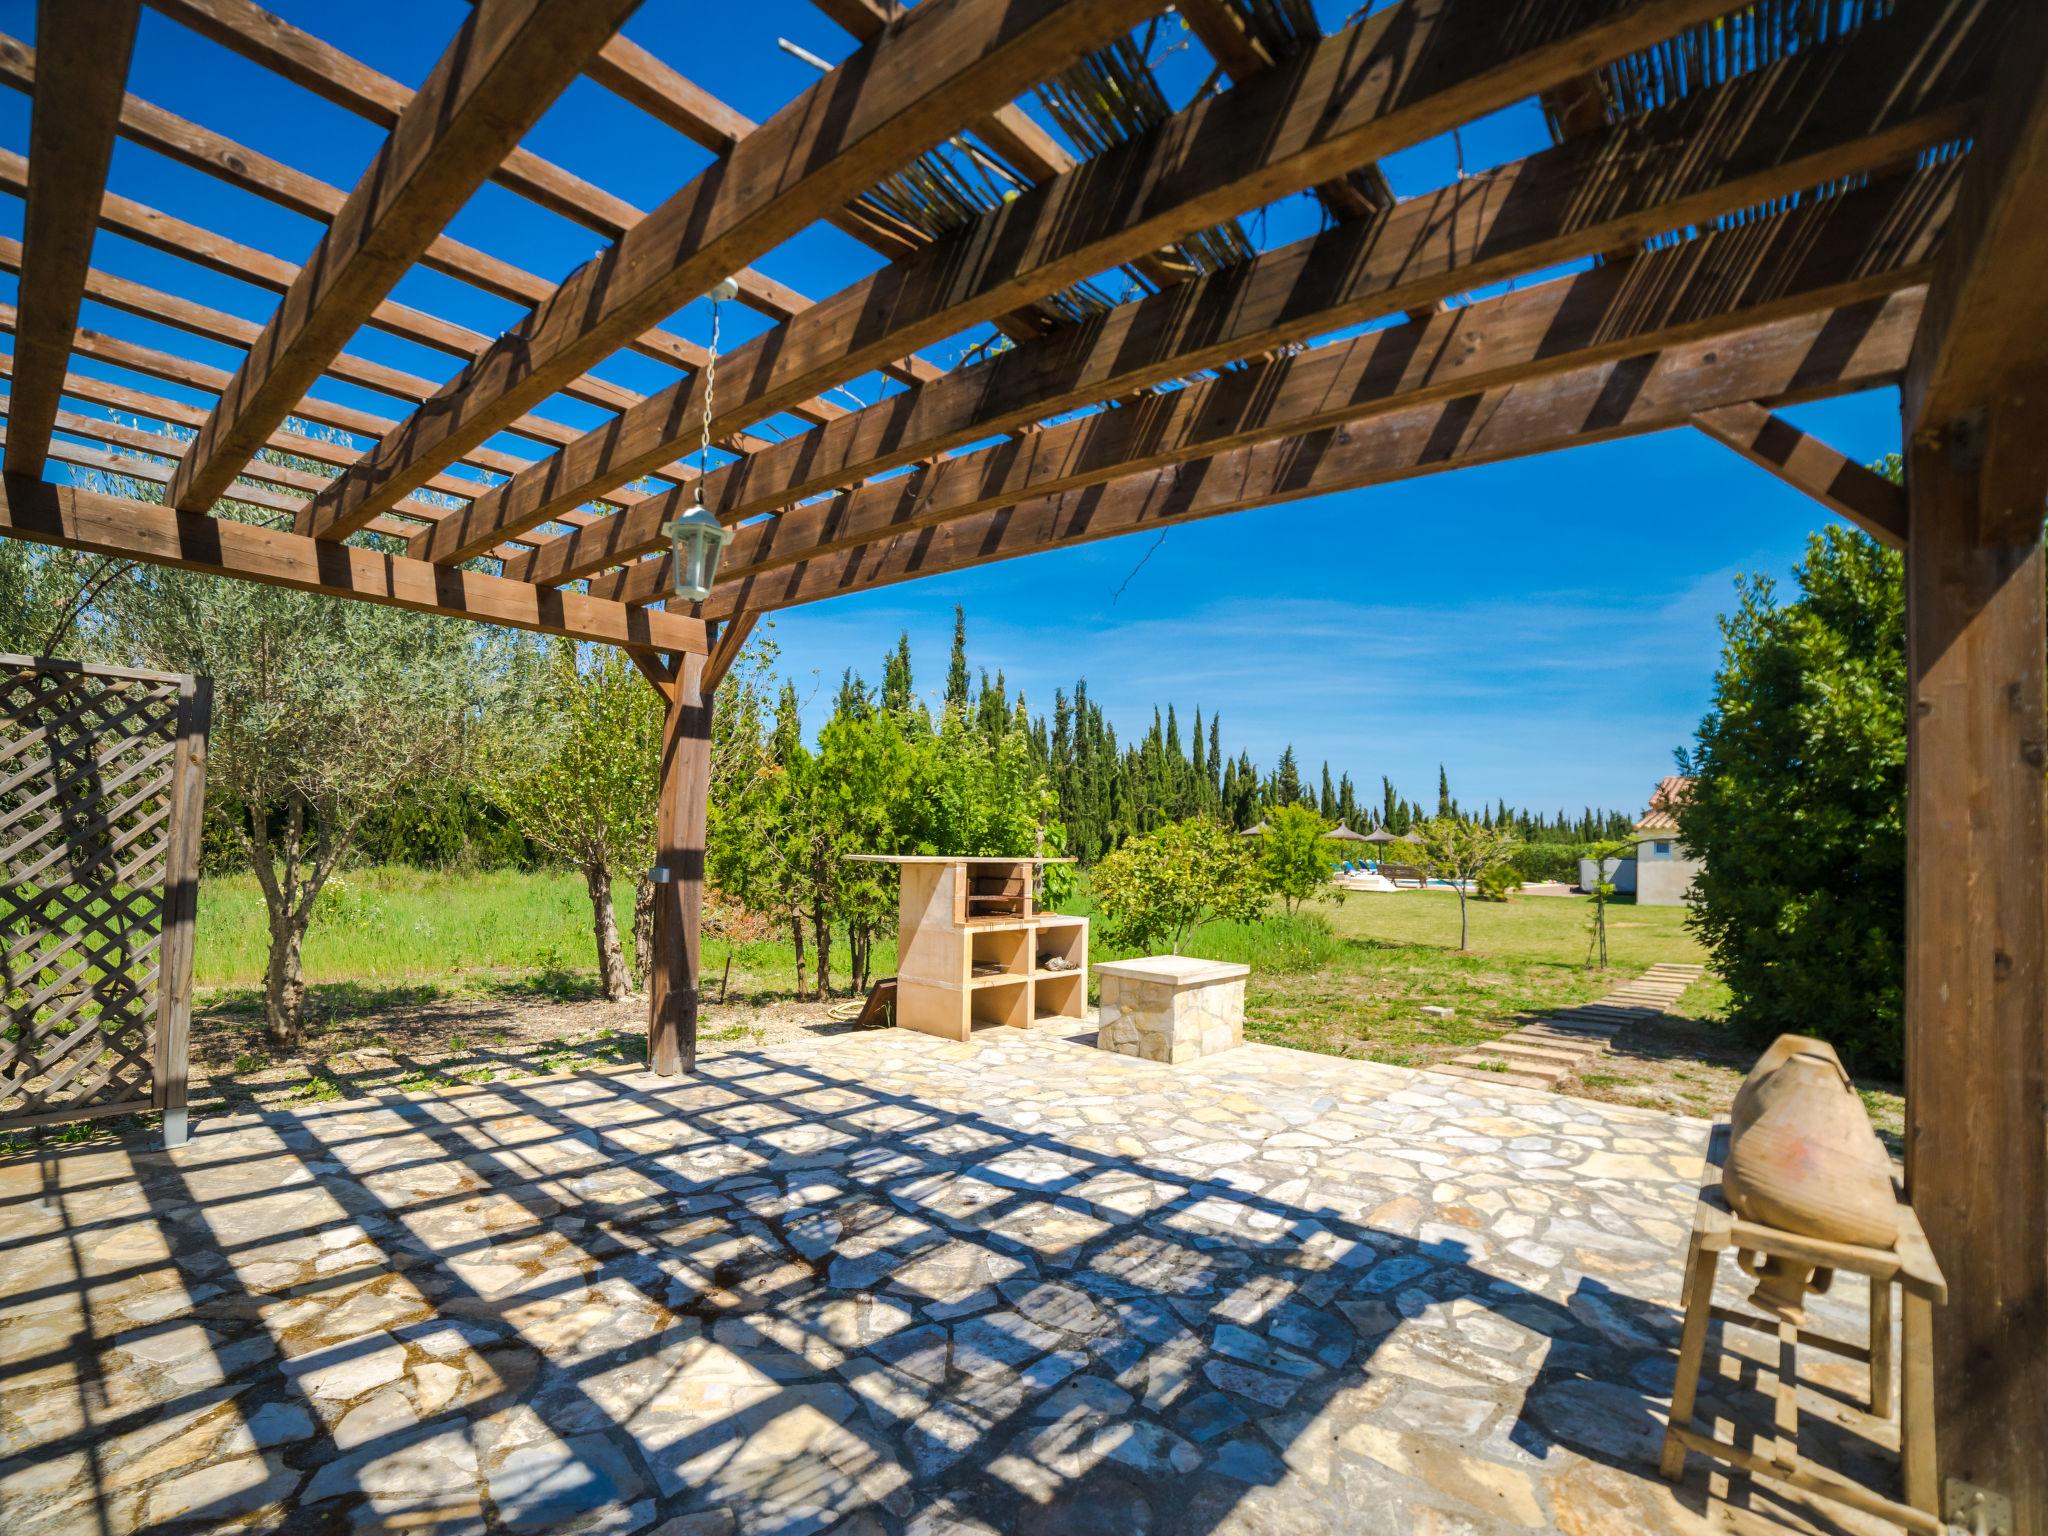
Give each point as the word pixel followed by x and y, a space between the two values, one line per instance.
pixel 732 639
pixel 1846 488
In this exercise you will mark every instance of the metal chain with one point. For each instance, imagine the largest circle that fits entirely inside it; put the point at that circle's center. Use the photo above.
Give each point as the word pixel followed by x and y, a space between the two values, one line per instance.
pixel 710 384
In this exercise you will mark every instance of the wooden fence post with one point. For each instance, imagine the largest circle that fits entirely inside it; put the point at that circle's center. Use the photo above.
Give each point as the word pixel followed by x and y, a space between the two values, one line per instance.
pixel 1977 939
pixel 672 971
pixel 181 907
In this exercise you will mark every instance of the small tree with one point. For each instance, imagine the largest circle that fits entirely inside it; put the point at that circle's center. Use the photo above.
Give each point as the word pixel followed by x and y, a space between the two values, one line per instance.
pixel 1161 886
pixel 581 777
pixel 1452 848
pixel 1291 856
pixel 1603 892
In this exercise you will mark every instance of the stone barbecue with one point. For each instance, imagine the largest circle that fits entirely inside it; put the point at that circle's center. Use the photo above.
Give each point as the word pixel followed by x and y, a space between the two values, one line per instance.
pixel 1171 1008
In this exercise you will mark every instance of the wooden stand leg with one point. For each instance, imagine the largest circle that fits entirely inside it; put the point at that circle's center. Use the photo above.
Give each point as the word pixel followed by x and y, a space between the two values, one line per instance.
pixel 1785 1416
pixel 1692 1344
pixel 1881 1347
pixel 1916 1402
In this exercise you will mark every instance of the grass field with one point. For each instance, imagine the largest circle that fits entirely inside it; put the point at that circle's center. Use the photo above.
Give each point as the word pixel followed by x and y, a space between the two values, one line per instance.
pixel 422 979
pixel 1392 955
pixel 427 962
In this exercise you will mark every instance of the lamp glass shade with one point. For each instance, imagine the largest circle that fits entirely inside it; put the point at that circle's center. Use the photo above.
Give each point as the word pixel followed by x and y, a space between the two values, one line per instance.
pixel 696 540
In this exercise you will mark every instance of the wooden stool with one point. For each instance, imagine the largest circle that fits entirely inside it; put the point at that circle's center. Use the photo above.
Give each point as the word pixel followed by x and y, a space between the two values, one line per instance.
pixel 1909 1265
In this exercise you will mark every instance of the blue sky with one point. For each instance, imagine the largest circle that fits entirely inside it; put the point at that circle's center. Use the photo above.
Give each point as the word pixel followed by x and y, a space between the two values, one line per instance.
pixel 1545 628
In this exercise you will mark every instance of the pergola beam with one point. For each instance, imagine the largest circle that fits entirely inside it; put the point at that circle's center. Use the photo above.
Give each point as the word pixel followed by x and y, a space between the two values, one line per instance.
pixel 1392 80
pixel 71 518
pixel 1989 288
pixel 229 257
pixel 1850 490
pixel 237 165
pixel 1811 356
pixel 72 123
pixel 264 483
pixel 508 61
pixel 1817 257
pixel 888 103
pixel 202 376
pixel 622 67
pixel 1823 113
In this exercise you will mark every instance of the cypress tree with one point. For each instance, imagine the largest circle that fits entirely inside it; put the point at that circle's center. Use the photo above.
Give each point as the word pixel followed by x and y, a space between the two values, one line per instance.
pixel 896 688
pixel 956 672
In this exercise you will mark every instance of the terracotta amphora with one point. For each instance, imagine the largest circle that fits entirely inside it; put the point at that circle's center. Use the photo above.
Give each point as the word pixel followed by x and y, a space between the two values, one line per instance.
pixel 1808 1162
pixel 1747 1106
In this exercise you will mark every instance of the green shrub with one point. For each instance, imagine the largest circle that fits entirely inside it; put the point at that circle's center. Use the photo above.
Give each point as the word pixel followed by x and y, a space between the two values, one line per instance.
pixel 1797 811
pixel 1497 883
pixel 1158 888
pixel 1547 861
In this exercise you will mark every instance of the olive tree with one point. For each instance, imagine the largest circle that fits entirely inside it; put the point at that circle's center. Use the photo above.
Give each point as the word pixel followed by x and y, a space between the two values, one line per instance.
pixel 579 773
pixel 1462 852
pixel 322 708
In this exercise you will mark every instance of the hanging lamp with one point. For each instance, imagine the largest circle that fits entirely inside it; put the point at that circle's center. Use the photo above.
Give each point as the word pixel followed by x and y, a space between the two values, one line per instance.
pixel 697 539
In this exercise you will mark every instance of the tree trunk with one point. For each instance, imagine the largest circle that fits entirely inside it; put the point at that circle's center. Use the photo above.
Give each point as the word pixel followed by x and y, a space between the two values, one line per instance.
pixel 796 939
pixel 284 983
pixel 611 960
pixel 643 929
pixel 821 937
pixel 1463 930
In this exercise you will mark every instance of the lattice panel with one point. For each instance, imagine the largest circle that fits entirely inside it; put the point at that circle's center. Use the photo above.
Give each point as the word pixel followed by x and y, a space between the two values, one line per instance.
pixel 89 761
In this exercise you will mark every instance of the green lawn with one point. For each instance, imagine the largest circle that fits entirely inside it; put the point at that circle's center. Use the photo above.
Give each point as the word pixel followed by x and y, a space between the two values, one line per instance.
pixel 393 950
pixel 1361 990
pixel 451 931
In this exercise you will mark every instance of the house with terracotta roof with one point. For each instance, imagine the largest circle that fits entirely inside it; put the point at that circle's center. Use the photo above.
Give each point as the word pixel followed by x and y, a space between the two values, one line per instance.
pixel 1664 869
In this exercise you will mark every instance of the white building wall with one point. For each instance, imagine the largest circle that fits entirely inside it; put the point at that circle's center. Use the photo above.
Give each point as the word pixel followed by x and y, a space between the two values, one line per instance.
pixel 1664 872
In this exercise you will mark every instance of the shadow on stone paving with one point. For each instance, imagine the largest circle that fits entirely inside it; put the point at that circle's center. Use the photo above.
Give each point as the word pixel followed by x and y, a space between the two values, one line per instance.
pixel 789 1297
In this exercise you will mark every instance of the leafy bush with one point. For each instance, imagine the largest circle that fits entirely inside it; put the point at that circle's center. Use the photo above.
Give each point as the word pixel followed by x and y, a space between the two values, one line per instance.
pixel 1798 806
pixel 1159 887
pixel 1547 861
pixel 1293 858
pixel 1497 883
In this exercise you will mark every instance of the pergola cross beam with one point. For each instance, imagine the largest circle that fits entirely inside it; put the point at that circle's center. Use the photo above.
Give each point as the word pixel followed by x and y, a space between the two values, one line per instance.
pixel 72 518
pixel 505 66
pixel 1810 356
pixel 1874 97
pixel 891 101
pixel 72 123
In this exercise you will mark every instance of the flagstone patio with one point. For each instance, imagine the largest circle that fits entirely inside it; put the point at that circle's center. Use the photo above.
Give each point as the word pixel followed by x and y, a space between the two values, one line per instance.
pixel 873 1283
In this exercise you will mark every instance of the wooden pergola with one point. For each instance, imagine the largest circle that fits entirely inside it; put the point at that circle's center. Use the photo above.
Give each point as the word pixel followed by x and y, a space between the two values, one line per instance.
pixel 1753 222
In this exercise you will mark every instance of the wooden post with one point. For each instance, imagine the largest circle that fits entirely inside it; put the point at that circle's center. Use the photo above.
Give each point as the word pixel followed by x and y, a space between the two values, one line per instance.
pixel 1977 936
pixel 672 970
pixel 170 1067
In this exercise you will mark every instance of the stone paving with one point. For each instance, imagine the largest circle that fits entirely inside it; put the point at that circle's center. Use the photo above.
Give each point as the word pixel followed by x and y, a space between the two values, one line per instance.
pixel 879 1283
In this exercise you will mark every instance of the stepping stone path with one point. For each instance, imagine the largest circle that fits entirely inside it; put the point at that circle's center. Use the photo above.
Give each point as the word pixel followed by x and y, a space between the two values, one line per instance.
pixel 1538 1055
